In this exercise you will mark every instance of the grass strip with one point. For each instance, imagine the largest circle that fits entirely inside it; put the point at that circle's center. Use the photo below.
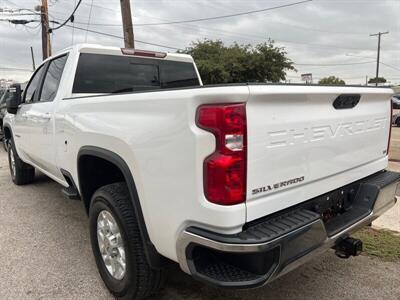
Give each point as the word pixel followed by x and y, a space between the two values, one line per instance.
pixel 383 244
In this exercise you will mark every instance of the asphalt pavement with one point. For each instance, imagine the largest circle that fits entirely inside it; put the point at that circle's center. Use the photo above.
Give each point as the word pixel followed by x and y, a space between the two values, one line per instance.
pixel 45 254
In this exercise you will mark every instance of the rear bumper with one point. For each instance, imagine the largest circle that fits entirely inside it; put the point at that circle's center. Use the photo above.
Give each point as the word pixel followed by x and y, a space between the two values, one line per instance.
pixel 273 246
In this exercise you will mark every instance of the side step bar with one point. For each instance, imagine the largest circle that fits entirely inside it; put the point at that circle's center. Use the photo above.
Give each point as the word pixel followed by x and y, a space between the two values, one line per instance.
pixel 71 193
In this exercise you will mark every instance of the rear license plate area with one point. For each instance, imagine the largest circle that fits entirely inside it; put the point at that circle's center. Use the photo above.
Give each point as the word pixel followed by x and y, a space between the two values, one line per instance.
pixel 335 203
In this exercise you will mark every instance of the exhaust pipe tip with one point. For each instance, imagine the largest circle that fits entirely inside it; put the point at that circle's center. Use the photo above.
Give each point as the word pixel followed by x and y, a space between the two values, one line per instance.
pixel 349 247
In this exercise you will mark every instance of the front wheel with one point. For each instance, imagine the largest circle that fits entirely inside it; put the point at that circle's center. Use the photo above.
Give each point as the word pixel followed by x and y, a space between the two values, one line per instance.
pixel 21 173
pixel 117 245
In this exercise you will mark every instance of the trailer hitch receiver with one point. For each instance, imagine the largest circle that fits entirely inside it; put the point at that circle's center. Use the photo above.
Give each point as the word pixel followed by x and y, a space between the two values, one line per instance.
pixel 349 247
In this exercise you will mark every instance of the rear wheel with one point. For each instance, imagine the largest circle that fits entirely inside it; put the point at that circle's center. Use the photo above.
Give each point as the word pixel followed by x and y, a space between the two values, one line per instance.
pixel 117 245
pixel 21 173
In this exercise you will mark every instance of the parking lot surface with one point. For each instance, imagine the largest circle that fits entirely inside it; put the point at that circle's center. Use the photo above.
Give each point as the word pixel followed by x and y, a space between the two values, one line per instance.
pixel 45 254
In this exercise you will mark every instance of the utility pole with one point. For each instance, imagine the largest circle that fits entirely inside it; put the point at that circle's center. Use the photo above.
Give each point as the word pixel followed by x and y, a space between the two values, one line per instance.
pixel 44 17
pixel 33 60
pixel 379 52
pixel 127 24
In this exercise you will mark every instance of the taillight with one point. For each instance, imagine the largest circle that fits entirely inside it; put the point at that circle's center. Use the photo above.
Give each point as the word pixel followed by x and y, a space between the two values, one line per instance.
pixel 225 169
pixel 390 126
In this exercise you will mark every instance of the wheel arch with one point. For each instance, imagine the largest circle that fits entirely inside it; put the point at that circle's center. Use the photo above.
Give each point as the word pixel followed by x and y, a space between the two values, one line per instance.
pixel 154 258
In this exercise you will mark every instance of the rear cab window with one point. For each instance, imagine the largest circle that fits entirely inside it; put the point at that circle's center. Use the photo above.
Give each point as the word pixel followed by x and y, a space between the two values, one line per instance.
pixel 99 73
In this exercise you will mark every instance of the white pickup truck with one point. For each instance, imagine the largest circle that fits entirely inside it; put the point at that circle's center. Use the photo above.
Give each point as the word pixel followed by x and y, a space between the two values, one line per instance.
pixel 238 184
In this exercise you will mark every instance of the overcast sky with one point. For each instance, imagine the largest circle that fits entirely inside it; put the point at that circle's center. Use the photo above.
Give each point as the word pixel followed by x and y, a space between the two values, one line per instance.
pixel 321 32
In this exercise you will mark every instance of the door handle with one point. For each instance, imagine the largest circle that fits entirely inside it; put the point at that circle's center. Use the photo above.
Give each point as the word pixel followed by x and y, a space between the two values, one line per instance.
pixel 46 117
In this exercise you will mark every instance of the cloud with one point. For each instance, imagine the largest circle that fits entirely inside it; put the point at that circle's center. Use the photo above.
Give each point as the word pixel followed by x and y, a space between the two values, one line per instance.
pixel 318 32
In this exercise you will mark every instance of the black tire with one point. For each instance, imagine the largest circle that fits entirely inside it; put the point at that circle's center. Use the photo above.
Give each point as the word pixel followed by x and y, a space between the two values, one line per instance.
pixel 398 122
pixel 140 280
pixel 23 172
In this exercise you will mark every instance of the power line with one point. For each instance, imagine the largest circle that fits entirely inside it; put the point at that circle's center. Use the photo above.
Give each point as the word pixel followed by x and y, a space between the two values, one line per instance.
pixel 88 23
pixel 99 6
pixel 18 21
pixel 53 2
pixel 381 62
pixel 304 27
pixel 15 69
pixel 120 37
pixel 316 29
pixel 167 22
pixel 319 45
pixel 246 36
pixel 73 28
pixel 24 14
pixel 327 65
pixel 96 24
pixel 109 35
pixel 66 21
pixel 211 18
pixel 258 36
pixel 169 47
pixel 103 7
pixel 225 16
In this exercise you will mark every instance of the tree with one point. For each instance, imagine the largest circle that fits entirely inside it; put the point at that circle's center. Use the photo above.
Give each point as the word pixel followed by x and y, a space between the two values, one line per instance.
pixel 236 63
pixel 377 80
pixel 332 80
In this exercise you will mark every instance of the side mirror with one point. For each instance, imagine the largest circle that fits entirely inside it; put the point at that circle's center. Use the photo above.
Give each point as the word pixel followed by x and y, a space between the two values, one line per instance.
pixel 14 99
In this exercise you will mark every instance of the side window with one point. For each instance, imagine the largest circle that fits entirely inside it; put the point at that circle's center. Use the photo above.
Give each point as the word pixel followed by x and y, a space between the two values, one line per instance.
pixel 178 74
pixel 52 79
pixel 33 86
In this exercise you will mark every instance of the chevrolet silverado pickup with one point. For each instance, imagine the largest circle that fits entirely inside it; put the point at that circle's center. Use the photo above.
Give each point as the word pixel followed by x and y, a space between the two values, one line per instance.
pixel 238 184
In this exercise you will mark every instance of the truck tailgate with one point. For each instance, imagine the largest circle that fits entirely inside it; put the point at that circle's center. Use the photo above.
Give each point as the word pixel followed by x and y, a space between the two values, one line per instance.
pixel 301 146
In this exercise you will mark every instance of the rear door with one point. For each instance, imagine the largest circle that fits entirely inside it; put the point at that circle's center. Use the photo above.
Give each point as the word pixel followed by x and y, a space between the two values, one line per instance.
pixel 301 146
